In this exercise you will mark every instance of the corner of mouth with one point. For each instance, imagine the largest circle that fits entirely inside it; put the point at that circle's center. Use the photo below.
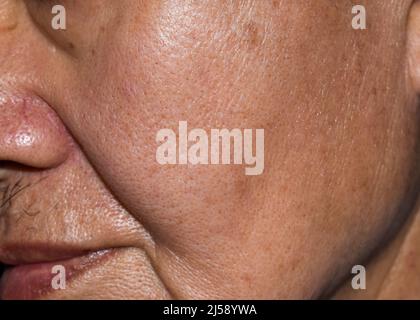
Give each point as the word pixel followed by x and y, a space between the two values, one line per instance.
pixel 33 280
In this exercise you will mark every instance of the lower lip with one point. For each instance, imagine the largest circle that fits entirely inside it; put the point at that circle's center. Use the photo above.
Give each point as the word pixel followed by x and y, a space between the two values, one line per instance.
pixel 33 281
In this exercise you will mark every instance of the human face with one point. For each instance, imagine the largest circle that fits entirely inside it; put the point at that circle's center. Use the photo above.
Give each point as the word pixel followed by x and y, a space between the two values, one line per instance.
pixel 80 110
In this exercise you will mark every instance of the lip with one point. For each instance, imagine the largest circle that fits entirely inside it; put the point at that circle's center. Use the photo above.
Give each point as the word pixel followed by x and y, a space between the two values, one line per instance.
pixel 34 280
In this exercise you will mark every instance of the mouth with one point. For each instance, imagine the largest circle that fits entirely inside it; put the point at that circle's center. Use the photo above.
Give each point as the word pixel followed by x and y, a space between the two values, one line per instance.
pixel 28 278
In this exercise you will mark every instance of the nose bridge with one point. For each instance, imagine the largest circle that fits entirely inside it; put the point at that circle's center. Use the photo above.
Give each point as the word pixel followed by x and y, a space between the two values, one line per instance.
pixel 8 14
pixel 30 132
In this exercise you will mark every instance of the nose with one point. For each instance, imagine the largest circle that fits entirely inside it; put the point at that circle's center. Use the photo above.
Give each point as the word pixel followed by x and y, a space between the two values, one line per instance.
pixel 31 133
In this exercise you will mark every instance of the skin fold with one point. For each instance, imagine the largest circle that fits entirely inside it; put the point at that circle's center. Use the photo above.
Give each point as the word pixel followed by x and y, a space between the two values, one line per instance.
pixel 342 135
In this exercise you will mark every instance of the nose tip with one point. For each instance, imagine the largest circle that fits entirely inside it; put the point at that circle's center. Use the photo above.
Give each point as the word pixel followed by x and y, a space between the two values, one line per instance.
pixel 30 132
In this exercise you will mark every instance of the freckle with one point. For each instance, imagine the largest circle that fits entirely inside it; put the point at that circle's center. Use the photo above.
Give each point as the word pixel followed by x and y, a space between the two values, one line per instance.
pixel 374 91
pixel 275 3
pixel 246 278
pixel 254 38
pixel 70 45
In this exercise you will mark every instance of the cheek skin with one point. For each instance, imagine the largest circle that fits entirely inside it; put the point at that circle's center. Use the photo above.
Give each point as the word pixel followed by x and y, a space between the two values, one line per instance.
pixel 8 15
pixel 339 149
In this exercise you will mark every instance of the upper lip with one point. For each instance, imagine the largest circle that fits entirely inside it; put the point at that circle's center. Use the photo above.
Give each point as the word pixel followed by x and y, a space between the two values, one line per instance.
pixel 19 254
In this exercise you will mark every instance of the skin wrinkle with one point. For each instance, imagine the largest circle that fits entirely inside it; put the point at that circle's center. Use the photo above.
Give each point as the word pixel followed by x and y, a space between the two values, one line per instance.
pixel 149 246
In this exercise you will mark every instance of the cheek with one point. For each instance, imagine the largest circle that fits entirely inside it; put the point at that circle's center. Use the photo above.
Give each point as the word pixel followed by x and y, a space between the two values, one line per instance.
pixel 330 163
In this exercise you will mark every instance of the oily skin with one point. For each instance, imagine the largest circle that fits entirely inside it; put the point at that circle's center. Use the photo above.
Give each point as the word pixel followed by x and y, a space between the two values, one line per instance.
pixel 341 123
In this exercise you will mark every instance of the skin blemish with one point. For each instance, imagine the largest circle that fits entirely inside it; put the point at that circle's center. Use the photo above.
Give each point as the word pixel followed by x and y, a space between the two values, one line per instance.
pixel 254 35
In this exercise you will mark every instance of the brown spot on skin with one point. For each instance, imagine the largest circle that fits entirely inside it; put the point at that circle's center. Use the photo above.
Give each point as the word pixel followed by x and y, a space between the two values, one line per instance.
pixel 374 91
pixel 254 35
